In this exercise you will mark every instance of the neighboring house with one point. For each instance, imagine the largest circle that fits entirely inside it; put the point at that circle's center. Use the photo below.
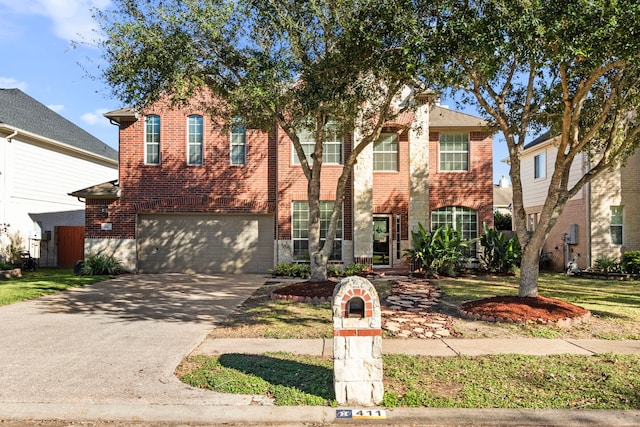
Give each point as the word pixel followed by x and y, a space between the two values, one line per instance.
pixel 194 198
pixel 603 219
pixel 503 197
pixel 42 157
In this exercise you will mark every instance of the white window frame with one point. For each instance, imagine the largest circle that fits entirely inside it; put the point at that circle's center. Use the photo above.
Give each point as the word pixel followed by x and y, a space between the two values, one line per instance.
pixel 195 140
pixel 333 139
pixel 385 157
pixel 452 214
pixel 617 222
pixel 454 159
pixel 238 141
pixel 540 165
pixel 300 229
pixel 151 138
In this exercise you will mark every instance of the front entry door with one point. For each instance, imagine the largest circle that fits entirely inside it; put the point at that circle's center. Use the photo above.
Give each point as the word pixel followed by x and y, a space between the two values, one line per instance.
pixel 381 241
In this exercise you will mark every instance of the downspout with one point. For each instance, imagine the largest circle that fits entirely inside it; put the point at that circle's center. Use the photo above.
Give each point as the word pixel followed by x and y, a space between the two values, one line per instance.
pixel 277 194
pixel 4 173
pixel 10 137
pixel 588 214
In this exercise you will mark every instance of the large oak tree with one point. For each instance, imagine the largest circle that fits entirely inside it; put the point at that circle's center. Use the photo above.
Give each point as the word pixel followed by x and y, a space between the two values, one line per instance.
pixel 570 67
pixel 295 65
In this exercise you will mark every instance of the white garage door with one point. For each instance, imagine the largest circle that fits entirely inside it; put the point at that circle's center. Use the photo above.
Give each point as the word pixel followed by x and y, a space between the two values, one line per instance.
pixel 198 243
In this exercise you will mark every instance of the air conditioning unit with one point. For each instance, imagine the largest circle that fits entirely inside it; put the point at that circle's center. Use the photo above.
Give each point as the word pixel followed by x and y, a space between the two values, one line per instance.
pixel 572 237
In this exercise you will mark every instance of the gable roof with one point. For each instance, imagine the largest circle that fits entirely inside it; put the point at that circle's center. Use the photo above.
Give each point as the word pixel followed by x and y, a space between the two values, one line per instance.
pixel 444 117
pixel 20 111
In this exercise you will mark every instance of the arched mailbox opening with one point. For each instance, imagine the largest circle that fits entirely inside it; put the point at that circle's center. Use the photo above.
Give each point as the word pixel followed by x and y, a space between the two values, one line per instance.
pixel 355 308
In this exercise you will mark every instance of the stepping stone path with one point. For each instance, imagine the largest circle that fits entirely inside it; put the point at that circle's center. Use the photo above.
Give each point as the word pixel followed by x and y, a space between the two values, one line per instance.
pixel 409 311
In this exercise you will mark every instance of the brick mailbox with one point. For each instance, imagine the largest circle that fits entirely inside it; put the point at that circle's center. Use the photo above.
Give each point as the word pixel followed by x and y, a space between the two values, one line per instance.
pixel 357 343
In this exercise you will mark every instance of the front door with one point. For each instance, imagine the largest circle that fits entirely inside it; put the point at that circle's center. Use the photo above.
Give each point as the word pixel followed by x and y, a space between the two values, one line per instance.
pixel 381 241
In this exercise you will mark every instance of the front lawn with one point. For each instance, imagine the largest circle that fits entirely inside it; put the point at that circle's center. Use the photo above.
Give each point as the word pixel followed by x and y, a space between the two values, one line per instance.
pixel 602 381
pixel 34 284
pixel 615 308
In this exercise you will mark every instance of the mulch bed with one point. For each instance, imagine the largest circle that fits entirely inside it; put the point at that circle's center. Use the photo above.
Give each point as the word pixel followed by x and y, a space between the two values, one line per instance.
pixel 524 309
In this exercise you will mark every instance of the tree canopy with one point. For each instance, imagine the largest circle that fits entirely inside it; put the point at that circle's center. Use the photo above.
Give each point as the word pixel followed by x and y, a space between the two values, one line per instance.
pixel 568 67
pixel 297 65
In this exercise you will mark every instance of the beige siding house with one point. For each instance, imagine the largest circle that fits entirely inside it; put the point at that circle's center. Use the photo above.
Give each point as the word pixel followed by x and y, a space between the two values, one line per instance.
pixel 603 219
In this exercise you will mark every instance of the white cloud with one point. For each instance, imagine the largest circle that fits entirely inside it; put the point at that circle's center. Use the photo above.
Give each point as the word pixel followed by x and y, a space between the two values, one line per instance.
pixel 72 19
pixel 95 118
pixel 56 107
pixel 11 83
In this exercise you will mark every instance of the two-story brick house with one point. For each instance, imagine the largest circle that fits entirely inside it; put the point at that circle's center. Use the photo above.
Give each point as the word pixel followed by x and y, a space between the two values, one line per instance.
pixel 192 197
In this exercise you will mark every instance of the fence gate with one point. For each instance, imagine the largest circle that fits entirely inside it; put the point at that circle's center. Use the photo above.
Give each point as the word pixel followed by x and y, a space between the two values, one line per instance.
pixel 70 242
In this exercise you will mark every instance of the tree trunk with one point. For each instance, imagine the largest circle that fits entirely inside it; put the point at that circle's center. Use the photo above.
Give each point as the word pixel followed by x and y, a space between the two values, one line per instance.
pixel 529 271
pixel 318 267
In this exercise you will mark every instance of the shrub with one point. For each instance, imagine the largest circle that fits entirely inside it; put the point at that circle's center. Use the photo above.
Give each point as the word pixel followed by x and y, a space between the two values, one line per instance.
pixel 606 265
pixel 346 270
pixel 12 253
pixel 502 221
pixel 500 254
pixel 631 262
pixel 100 264
pixel 292 269
pixel 438 252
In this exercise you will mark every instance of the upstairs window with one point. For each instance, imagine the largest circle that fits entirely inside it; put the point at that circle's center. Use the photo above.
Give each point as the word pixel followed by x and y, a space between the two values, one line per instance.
pixel 616 225
pixel 152 140
pixel 454 152
pixel 331 147
pixel 194 140
pixel 238 147
pixel 385 153
pixel 539 166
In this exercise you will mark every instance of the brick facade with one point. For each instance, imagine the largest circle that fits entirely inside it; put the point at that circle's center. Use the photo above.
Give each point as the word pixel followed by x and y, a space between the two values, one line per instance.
pixel 270 182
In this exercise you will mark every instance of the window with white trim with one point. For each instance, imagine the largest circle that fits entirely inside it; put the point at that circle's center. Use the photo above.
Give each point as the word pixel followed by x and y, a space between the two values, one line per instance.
pixel 194 140
pixel 539 166
pixel 616 226
pixel 454 152
pixel 464 220
pixel 331 147
pixel 238 142
pixel 385 152
pixel 300 230
pixel 152 140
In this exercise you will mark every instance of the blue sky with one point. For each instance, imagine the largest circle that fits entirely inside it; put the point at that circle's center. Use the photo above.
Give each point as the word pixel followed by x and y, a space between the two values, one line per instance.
pixel 37 57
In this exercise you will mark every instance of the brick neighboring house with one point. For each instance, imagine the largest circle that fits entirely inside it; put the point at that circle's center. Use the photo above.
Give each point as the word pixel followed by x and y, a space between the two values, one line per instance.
pixel 603 219
pixel 194 198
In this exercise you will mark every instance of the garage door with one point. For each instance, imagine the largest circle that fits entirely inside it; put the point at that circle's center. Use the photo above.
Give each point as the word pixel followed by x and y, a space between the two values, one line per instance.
pixel 205 243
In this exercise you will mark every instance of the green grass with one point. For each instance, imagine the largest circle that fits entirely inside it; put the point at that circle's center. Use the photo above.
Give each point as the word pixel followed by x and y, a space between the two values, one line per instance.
pixel 501 381
pixel 260 316
pixel 42 282
pixel 615 302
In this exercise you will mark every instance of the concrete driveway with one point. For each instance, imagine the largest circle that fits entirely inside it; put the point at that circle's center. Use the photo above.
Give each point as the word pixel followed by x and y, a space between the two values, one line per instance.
pixel 115 342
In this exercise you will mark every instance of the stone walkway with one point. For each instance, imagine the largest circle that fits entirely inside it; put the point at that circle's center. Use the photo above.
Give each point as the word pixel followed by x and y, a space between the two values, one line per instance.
pixel 409 311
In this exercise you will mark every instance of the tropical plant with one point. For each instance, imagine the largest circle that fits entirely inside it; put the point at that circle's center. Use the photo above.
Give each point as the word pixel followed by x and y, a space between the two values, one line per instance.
pixel 441 251
pixel 605 264
pixel 14 249
pixel 499 253
pixel 96 264
pixel 631 262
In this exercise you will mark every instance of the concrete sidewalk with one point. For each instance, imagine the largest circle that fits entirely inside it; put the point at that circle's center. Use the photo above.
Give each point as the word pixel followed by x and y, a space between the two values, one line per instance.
pixel 435 347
